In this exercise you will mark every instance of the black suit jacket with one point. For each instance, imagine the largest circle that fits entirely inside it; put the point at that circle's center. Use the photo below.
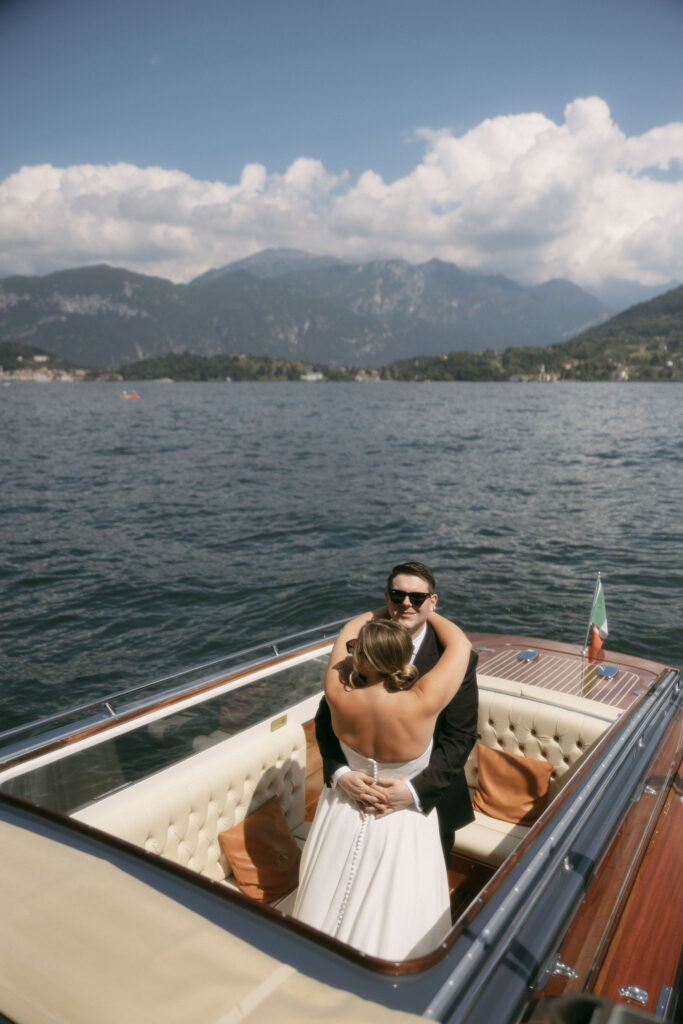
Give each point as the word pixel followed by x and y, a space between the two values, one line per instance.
pixel 442 784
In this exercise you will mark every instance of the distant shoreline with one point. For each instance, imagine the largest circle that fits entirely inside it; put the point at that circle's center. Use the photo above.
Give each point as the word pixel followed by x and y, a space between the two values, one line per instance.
pixel 649 358
pixel 7 379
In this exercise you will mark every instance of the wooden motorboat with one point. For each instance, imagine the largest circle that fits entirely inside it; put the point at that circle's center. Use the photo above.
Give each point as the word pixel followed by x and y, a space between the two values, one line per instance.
pixel 118 902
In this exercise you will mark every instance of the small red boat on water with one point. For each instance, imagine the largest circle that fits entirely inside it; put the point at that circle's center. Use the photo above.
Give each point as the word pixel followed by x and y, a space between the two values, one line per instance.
pixel 125 394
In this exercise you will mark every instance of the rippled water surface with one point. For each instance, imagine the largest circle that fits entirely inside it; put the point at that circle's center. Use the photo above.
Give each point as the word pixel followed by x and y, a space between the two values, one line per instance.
pixel 143 536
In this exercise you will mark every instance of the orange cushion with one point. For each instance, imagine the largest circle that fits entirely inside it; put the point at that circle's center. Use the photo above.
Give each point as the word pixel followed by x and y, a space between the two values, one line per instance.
pixel 262 853
pixel 511 787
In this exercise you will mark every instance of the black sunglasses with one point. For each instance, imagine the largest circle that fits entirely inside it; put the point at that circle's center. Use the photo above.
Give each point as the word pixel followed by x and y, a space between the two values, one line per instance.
pixel 350 645
pixel 416 598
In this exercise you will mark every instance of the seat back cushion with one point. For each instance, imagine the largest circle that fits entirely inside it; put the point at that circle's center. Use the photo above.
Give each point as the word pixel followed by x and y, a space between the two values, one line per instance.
pixel 511 787
pixel 263 853
pixel 179 812
pixel 534 730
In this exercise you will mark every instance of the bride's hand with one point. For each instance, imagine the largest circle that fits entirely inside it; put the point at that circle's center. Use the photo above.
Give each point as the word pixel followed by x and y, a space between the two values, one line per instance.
pixel 362 790
pixel 397 795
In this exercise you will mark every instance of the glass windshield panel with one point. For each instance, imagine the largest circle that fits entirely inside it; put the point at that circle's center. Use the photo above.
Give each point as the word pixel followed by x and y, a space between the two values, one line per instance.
pixel 79 778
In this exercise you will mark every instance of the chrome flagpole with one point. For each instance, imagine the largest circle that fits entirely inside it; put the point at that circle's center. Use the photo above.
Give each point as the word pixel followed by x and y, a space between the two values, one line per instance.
pixel 590 617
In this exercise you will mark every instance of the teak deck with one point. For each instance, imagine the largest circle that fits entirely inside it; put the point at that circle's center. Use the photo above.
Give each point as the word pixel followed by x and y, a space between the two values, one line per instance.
pixel 562 668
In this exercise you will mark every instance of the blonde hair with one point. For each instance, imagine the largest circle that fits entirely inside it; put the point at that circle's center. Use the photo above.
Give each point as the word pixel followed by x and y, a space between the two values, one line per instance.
pixel 388 648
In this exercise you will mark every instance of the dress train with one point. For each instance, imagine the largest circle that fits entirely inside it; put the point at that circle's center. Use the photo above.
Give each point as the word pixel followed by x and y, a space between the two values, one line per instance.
pixel 379 884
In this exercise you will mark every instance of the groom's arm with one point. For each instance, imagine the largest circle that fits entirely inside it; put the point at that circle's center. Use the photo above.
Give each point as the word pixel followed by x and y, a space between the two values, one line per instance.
pixel 457 736
pixel 328 744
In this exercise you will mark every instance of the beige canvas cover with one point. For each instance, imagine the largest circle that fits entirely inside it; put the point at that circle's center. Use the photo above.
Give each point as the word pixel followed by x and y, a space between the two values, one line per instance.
pixel 84 942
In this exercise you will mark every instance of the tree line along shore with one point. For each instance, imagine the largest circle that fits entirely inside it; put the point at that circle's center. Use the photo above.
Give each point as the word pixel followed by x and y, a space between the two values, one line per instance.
pixel 649 363
pixel 645 343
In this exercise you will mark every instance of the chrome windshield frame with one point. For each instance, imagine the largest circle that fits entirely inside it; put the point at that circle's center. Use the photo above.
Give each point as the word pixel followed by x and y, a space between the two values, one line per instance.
pixel 104 709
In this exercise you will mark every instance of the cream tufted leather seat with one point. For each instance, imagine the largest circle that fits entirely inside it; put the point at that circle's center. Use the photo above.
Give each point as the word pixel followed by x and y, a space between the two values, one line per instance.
pixel 524 720
pixel 179 812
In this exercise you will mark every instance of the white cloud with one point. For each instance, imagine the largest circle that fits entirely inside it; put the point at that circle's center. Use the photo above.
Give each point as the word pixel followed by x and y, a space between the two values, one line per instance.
pixel 518 195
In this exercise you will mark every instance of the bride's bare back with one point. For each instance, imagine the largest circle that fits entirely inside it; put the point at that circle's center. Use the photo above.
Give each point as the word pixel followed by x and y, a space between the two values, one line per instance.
pixel 387 724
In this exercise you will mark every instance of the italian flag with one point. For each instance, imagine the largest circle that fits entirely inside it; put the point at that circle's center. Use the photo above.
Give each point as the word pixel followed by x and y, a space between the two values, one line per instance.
pixel 598 622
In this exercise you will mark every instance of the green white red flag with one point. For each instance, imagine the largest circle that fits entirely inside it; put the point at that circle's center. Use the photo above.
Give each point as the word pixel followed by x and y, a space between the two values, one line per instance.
pixel 598 621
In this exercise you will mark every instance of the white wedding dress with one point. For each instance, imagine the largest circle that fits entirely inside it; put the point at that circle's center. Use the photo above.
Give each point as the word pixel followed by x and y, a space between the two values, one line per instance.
pixel 379 884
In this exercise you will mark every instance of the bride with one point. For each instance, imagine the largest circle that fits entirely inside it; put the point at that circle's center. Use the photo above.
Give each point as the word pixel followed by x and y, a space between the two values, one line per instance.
pixel 378 882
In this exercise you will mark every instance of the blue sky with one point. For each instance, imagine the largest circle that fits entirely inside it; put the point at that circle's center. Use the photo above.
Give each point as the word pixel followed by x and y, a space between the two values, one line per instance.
pixel 382 108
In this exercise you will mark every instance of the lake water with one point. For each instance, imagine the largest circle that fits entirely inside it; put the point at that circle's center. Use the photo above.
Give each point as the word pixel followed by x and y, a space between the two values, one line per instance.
pixel 140 537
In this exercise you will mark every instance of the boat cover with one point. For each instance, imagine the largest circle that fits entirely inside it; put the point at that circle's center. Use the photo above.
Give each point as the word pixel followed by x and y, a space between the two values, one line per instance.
pixel 82 940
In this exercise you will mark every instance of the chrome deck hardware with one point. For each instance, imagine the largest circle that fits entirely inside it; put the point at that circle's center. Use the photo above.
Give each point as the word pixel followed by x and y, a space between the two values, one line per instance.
pixel 639 995
pixel 527 655
pixel 564 970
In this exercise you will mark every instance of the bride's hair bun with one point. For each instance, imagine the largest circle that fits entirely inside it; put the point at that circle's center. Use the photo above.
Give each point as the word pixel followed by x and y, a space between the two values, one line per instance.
pixel 403 679
pixel 388 648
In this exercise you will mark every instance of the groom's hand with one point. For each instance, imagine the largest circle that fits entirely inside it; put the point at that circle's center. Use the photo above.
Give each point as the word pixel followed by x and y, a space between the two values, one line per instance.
pixel 397 795
pixel 362 790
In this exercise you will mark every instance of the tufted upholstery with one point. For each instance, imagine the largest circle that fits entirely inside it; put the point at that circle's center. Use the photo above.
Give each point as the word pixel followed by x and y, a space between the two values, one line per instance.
pixel 535 730
pixel 527 725
pixel 179 812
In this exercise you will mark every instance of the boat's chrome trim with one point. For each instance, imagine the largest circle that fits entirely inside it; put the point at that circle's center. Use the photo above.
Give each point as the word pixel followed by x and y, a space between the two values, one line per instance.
pixel 663 1002
pixel 503 949
pixel 104 712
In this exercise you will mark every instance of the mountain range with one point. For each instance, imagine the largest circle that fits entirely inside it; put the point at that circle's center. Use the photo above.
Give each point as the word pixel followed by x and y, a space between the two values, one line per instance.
pixel 292 305
pixel 643 343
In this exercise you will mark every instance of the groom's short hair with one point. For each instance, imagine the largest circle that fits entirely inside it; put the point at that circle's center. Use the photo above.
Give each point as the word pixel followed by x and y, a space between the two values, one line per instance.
pixel 412 569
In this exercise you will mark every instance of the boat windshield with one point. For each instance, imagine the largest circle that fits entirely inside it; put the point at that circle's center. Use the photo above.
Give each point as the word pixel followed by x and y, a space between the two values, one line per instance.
pixel 125 754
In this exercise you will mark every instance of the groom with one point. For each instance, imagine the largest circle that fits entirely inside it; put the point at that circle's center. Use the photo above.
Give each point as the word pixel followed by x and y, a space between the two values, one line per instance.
pixel 410 597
